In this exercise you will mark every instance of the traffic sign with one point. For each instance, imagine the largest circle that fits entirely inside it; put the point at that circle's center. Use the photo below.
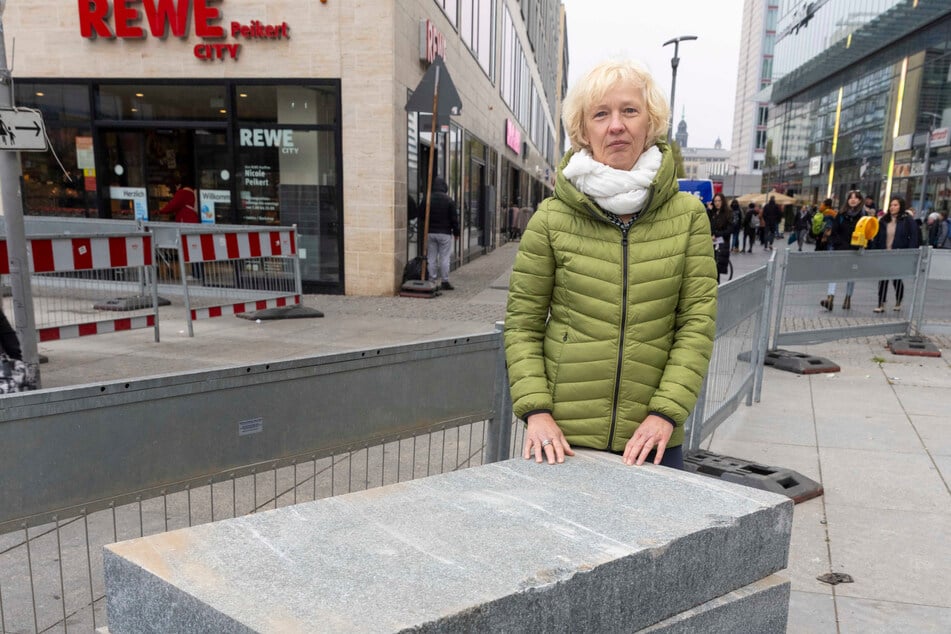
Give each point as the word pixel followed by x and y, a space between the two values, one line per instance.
pixel 22 130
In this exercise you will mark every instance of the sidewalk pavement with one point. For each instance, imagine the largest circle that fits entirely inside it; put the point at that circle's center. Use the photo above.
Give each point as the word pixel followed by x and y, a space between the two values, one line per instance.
pixel 876 435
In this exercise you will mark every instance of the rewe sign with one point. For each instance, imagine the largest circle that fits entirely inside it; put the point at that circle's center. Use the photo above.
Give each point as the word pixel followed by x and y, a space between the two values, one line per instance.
pixel 138 19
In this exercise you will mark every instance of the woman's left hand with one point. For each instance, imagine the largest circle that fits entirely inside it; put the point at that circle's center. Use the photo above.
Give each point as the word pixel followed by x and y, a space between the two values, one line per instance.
pixel 652 434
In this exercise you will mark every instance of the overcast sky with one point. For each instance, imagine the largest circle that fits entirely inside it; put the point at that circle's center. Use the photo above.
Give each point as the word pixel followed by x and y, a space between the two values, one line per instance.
pixel 637 29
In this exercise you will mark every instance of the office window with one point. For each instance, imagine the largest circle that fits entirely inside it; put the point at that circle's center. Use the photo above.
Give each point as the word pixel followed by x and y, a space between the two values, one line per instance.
pixel 450 8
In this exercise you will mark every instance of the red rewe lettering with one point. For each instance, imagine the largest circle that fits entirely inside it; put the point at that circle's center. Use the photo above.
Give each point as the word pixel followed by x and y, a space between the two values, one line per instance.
pixel 162 14
pixel 125 15
pixel 204 16
pixel 92 18
pixel 216 50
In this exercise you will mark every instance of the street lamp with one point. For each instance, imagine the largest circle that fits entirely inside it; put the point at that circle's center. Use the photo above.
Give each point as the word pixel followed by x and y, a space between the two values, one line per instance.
pixel 674 62
pixel 924 175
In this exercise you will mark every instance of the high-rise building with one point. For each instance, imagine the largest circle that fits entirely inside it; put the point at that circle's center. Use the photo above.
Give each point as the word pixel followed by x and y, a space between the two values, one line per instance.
pixel 754 75
pixel 862 100
pixel 293 112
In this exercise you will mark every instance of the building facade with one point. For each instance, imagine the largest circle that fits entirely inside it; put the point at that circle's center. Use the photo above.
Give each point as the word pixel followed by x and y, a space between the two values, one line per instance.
pixel 754 75
pixel 860 88
pixel 291 112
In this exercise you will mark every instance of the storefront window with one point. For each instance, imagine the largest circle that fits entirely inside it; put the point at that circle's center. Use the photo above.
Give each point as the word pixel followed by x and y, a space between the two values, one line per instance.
pixel 163 102
pixel 287 104
pixel 48 189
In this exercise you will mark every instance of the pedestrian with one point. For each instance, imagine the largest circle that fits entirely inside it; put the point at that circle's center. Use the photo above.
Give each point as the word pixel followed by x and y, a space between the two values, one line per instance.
pixel 843 225
pixel 869 207
pixel 722 227
pixel 802 224
pixel 933 228
pixel 9 343
pixel 750 228
pixel 737 225
pixel 443 227
pixel 944 232
pixel 772 214
pixel 897 230
pixel 183 206
pixel 612 300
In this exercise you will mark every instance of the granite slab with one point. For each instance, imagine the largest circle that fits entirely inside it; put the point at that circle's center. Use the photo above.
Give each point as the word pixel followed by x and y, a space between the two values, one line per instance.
pixel 512 546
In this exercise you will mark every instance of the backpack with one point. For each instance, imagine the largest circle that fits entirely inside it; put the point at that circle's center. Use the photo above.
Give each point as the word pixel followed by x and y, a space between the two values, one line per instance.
pixel 818 221
pixel 754 220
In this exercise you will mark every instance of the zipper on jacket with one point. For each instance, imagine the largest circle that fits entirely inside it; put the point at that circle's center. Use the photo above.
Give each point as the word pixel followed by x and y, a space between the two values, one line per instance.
pixel 620 348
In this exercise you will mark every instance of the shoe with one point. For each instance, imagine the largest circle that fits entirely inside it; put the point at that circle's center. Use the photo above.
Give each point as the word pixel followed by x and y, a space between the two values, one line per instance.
pixel 828 303
pixel 878 309
pixel 847 302
pixel 446 286
pixel 897 307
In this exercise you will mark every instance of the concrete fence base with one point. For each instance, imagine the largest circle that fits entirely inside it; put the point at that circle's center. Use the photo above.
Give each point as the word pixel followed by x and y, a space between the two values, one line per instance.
pixel 591 545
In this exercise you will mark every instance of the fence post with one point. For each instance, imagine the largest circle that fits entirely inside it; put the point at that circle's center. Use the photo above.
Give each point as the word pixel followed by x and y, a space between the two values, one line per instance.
pixel 694 423
pixel 181 271
pixel 921 291
pixel 762 334
pixel 298 284
pixel 499 435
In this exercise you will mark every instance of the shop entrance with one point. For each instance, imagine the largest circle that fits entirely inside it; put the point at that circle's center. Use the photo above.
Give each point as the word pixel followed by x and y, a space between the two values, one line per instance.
pixel 144 168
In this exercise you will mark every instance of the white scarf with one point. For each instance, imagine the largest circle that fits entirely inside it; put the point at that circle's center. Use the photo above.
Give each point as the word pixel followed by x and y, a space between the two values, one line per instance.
pixel 618 191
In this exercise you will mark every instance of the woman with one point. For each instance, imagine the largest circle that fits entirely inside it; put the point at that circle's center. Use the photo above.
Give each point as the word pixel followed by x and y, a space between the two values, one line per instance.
pixel 897 230
pixel 722 226
pixel 612 300
pixel 841 240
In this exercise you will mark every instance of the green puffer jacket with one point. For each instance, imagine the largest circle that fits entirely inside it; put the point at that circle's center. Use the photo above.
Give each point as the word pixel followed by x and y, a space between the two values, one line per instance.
pixel 631 321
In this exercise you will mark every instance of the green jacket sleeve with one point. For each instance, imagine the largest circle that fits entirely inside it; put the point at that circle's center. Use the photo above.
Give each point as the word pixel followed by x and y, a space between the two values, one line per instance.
pixel 526 315
pixel 694 327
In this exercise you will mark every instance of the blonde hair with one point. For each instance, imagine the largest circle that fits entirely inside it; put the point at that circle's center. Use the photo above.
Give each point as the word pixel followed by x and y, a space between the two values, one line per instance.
pixel 599 80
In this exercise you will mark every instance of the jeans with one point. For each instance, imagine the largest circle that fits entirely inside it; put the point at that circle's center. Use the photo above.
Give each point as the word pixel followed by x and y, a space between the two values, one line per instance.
pixel 438 254
pixel 849 287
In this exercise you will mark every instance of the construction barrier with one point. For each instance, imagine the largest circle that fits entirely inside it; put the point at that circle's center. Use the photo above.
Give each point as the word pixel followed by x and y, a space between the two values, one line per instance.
pixel 79 283
pixel 804 278
pixel 237 270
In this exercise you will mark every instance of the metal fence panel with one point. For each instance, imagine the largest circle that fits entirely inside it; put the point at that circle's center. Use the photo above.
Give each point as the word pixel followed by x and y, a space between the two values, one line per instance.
pixel 75 446
pixel 736 356
pixel 805 278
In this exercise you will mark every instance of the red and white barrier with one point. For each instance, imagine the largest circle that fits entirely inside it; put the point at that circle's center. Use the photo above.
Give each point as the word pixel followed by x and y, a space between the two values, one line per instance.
pixel 75 254
pixel 244 307
pixel 95 328
pixel 248 282
pixel 209 247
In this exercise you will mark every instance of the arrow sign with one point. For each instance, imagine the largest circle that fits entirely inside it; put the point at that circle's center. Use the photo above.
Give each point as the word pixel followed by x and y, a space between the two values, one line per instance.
pixel 422 99
pixel 22 130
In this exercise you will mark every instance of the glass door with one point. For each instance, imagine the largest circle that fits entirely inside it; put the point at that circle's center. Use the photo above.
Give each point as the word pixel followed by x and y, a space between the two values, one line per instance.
pixel 123 182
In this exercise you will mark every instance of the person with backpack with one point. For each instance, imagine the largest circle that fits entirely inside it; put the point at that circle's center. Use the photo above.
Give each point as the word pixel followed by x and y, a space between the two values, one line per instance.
pixel 737 225
pixel 802 224
pixel 751 224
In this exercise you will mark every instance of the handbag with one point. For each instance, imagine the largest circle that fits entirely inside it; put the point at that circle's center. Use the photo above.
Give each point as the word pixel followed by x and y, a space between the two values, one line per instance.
pixel 15 375
pixel 792 237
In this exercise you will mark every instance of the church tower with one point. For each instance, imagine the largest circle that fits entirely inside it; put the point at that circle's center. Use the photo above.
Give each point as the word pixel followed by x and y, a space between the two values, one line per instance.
pixel 681 136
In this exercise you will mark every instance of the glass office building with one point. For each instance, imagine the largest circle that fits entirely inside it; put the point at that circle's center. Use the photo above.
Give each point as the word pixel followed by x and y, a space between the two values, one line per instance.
pixel 860 88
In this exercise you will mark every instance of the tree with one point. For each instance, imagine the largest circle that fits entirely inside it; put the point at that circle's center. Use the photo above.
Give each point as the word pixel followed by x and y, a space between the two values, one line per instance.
pixel 678 159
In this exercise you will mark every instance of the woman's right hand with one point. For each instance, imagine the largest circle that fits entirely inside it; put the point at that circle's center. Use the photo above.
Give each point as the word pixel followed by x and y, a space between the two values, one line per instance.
pixel 544 436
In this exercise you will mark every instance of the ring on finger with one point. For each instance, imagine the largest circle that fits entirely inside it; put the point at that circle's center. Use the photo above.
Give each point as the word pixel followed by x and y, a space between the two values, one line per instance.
pixel 546 442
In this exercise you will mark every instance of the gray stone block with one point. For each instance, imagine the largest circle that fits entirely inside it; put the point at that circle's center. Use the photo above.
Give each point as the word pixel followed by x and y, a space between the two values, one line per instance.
pixel 589 545
pixel 759 608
